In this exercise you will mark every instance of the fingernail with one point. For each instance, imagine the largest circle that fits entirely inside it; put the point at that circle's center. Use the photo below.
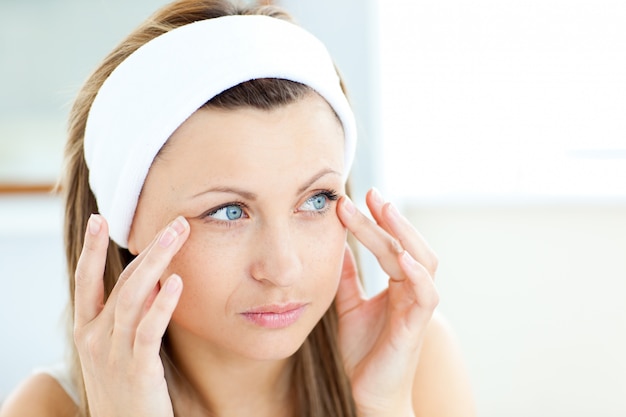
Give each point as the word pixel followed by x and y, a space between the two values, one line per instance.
pixel 168 237
pixel 378 199
pixel 348 205
pixel 179 225
pixel 94 224
pixel 397 247
pixel 175 229
pixel 408 260
pixel 393 211
pixel 173 284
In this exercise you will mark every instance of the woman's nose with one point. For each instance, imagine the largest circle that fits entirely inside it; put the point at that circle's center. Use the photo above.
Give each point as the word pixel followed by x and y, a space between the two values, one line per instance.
pixel 277 259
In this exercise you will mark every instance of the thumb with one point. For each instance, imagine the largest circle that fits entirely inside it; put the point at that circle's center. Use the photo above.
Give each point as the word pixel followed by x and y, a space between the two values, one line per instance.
pixel 350 292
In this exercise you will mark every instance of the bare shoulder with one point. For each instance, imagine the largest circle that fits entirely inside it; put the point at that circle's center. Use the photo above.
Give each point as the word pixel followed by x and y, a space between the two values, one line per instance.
pixel 39 395
pixel 442 387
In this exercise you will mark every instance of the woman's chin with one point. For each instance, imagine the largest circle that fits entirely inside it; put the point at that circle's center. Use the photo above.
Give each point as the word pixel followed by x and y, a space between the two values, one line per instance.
pixel 264 351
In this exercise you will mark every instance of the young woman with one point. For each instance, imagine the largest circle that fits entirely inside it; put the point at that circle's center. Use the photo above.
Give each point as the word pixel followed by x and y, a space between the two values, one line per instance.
pixel 215 142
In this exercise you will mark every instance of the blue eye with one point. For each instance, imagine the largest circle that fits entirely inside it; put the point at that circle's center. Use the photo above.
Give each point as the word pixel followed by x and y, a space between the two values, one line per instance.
pixel 228 213
pixel 316 203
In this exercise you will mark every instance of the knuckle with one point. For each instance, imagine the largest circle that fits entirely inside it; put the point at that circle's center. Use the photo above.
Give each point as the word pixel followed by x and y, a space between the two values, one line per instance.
pixel 88 341
pixel 147 334
pixel 78 336
pixel 150 330
pixel 430 299
pixel 155 261
pixel 394 246
pixel 125 299
pixel 162 306
pixel 432 263
pixel 85 270
pixel 90 245
pixel 360 220
pixel 79 276
pixel 151 262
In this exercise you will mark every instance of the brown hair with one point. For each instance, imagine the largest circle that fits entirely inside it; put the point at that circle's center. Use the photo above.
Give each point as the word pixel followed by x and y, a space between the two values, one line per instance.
pixel 321 387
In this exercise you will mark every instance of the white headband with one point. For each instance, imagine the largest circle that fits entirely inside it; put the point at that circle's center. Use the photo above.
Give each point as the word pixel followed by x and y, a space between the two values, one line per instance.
pixel 151 93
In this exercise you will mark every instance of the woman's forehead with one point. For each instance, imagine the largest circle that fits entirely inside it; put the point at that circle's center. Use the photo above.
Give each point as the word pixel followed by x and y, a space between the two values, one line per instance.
pixel 308 118
pixel 300 137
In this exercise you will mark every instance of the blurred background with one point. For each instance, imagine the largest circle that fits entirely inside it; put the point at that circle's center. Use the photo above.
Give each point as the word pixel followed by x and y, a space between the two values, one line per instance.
pixel 498 126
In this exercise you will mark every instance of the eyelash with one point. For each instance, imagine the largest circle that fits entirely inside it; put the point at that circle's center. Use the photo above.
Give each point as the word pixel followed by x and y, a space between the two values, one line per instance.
pixel 207 216
pixel 331 195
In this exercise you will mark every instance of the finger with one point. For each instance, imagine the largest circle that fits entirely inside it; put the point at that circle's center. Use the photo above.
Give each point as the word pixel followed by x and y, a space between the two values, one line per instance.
pixel 150 299
pixel 350 293
pixel 88 278
pixel 382 245
pixel 109 308
pixel 398 226
pixel 422 290
pixel 411 305
pixel 410 239
pixel 152 327
pixel 133 295
pixel 375 203
pixel 128 271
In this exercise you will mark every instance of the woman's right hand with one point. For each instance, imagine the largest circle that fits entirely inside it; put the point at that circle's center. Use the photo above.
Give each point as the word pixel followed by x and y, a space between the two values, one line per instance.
pixel 119 342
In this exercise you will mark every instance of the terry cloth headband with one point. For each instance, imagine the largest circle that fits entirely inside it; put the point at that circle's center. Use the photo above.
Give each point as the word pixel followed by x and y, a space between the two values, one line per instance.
pixel 153 91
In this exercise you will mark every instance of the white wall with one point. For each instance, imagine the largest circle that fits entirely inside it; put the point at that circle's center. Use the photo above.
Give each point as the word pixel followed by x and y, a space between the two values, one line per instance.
pixel 537 295
pixel 510 99
pixel 34 287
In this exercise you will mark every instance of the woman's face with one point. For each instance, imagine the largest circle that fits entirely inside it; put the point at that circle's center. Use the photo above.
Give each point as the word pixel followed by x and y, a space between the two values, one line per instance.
pixel 263 259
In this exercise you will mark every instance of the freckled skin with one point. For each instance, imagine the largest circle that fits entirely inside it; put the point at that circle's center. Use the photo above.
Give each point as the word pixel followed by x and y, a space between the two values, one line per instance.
pixel 283 249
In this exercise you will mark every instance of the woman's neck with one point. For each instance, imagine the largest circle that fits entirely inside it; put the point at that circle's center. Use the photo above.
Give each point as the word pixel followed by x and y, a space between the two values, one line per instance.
pixel 228 385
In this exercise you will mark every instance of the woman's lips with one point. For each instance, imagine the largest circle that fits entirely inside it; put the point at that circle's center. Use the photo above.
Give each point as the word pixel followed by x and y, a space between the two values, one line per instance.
pixel 275 316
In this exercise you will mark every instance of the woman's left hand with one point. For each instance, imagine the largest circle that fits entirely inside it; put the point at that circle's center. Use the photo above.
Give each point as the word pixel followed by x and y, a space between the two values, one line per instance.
pixel 380 338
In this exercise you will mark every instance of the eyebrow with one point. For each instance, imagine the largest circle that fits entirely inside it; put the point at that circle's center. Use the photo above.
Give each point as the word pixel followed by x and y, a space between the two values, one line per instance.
pixel 248 195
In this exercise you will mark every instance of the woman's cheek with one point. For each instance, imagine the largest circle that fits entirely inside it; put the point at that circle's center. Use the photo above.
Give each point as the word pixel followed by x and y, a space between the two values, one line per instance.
pixel 329 248
pixel 211 271
pixel 205 255
pixel 333 262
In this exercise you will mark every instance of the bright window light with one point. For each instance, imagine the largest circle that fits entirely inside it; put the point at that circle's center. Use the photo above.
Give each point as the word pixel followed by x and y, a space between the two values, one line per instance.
pixel 502 99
